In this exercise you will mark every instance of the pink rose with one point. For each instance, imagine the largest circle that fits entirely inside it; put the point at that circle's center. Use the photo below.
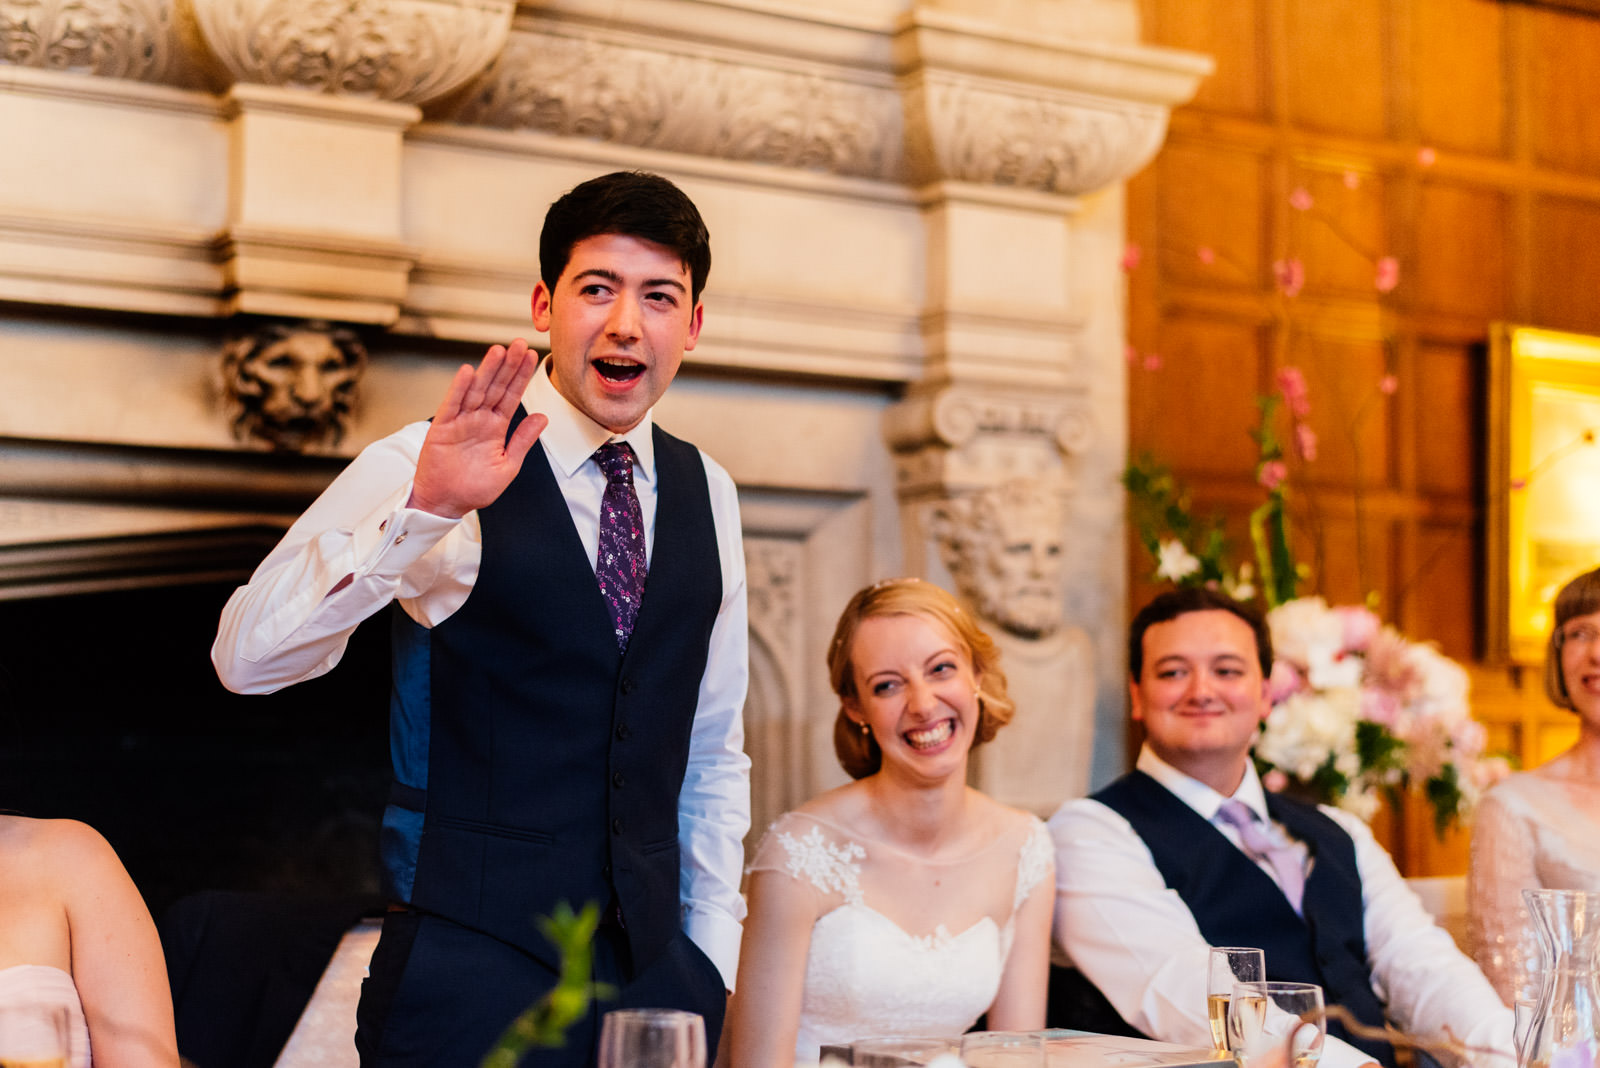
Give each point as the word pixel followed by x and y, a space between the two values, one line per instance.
pixel 1272 474
pixel 1207 254
pixel 1426 157
pixel 1131 255
pixel 1300 199
pixel 1284 682
pixel 1352 180
pixel 1379 706
pixel 1305 442
pixel 1152 361
pixel 1290 274
pixel 1360 626
pixel 1388 384
pixel 1130 354
pixel 1388 274
pixel 1292 384
pixel 1275 780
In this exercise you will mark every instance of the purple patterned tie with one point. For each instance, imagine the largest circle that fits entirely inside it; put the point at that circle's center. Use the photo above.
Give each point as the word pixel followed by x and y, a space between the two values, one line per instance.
pixel 1261 845
pixel 619 565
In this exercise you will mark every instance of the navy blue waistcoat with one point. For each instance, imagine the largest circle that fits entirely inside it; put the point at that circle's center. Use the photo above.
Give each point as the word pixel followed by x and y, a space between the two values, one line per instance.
pixel 1235 903
pixel 534 763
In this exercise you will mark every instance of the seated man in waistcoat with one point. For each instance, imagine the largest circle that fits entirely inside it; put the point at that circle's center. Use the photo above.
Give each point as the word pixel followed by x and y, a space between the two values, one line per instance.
pixel 1188 851
pixel 569 633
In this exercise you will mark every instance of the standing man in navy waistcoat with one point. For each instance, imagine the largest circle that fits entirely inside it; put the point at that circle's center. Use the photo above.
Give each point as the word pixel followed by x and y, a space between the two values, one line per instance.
pixel 1152 870
pixel 557 731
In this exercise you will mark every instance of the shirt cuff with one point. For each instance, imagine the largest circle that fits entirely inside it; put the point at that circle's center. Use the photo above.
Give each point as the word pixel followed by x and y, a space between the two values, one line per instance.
pixel 718 936
pixel 391 540
pixel 1337 1053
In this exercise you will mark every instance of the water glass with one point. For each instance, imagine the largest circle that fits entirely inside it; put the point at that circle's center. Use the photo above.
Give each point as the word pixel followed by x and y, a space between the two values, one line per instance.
pixel 33 1036
pixel 652 1038
pixel 896 1052
pixel 1003 1049
pixel 1264 1015
pixel 1229 965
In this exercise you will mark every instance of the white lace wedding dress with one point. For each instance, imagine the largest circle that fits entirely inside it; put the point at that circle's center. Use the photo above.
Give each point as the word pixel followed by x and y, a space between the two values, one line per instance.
pixel 902 946
pixel 1536 829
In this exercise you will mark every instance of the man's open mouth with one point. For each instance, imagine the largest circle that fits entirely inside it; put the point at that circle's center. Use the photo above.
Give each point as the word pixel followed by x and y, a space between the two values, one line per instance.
pixel 618 370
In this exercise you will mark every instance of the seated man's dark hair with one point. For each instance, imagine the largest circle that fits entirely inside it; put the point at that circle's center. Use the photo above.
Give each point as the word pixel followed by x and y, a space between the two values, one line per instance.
pixel 1181 602
pixel 634 204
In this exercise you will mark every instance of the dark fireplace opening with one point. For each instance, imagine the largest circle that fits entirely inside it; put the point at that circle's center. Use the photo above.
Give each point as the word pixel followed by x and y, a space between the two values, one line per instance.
pixel 110 713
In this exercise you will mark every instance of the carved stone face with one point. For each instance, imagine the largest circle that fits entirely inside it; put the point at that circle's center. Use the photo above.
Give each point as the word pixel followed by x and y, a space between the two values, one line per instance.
pixel 294 386
pixel 1004 546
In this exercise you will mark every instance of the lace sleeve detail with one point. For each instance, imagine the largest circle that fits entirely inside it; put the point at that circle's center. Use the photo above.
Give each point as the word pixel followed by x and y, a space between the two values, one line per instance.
pixel 802 849
pixel 1500 931
pixel 1037 861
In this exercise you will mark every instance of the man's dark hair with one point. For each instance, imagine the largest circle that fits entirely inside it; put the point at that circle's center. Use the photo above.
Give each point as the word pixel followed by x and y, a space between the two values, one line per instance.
pixel 633 204
pixel 1181 602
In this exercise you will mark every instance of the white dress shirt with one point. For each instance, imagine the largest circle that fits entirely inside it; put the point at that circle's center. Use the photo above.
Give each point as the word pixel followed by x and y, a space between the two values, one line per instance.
pixel 284 626
pixel 1118 923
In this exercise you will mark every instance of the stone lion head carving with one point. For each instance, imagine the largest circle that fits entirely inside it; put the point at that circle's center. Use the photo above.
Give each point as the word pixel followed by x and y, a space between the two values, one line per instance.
pixel 1004 547
pixel 292 385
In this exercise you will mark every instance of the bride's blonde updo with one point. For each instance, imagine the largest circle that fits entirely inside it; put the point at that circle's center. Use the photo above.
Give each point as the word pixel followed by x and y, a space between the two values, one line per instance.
pixel 858 751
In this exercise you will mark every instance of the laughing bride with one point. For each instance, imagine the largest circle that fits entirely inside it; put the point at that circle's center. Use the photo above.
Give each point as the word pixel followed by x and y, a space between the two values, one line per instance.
pixel 904 903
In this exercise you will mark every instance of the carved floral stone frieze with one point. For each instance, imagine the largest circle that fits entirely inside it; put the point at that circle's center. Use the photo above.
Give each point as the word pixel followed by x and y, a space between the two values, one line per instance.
pixel 1038 140
pixel 697 104
pixel 405 51
pixel 772 570
pixel 131 39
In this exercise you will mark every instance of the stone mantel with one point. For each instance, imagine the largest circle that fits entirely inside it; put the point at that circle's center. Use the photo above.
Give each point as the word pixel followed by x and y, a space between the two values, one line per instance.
pixel 915 307
pixel 899 94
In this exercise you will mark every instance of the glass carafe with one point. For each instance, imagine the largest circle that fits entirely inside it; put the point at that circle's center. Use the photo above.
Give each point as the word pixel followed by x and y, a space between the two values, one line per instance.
pixel 1565 1031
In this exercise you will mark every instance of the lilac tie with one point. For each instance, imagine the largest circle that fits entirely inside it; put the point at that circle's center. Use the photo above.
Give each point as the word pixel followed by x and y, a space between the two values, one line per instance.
pixel 1262 845
pixel 619 565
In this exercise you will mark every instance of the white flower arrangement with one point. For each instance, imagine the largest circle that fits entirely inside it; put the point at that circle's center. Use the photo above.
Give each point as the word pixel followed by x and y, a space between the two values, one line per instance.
pixel 1357 709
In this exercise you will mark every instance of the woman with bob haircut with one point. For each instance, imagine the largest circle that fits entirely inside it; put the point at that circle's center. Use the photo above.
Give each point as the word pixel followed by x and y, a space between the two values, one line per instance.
pixel 905 902
pixel 1541 828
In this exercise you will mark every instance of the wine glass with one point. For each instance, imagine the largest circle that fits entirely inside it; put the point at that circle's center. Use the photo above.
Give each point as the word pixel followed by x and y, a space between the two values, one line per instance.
pixel 895 1052
pixel 1522 1021
pixel 652 1038
pixel 1003 1049
pixel 1229 965
pixel 33 1036
pixel 1262 1015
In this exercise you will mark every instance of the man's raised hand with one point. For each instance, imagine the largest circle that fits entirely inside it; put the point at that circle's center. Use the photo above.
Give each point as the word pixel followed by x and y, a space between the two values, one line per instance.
pixel 466 461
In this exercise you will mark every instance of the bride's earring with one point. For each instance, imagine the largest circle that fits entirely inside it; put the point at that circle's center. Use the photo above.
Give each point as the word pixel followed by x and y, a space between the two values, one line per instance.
pixel 865 730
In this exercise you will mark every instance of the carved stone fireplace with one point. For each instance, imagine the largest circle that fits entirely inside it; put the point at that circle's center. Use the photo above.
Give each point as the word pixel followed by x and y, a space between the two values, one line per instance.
pixel 912 359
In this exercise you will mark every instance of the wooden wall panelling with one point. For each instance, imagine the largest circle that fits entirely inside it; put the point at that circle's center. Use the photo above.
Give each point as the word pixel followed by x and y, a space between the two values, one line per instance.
pixel 1460 261
pixel 1445 396
pixel 1565 250
pixel 1563 123
pixel 1342 229
pixel 1232 184
pixel 1434 596
pixel 1336 68
pixel 1195 410
pixel 1226 32
pixel 1349 413
pixel 1459 63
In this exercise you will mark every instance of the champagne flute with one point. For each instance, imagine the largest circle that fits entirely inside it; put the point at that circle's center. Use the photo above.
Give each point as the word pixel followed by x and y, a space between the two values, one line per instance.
pixel 1229 965
pixel 1261 1015
pixel 652 1038
pixel 1003 1049
pixel 33 1036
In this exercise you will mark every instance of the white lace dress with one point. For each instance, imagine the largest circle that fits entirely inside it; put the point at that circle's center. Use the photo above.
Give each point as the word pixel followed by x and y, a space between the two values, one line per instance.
pixel 902 946
pixel 1535 829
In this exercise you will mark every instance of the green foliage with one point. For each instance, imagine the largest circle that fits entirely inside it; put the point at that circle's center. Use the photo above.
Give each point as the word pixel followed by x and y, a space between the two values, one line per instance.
pixel 1443 792
pixel 544 1025
pixel 1378 748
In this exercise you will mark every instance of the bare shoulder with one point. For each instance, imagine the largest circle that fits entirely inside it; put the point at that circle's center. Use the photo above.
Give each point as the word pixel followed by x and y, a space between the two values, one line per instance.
pixel 843 806
pixel 1001 820
pixel 67 853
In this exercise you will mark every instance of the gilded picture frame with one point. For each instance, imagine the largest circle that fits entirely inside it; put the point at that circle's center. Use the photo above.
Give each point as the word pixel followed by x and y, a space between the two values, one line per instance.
pixel 1543 481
